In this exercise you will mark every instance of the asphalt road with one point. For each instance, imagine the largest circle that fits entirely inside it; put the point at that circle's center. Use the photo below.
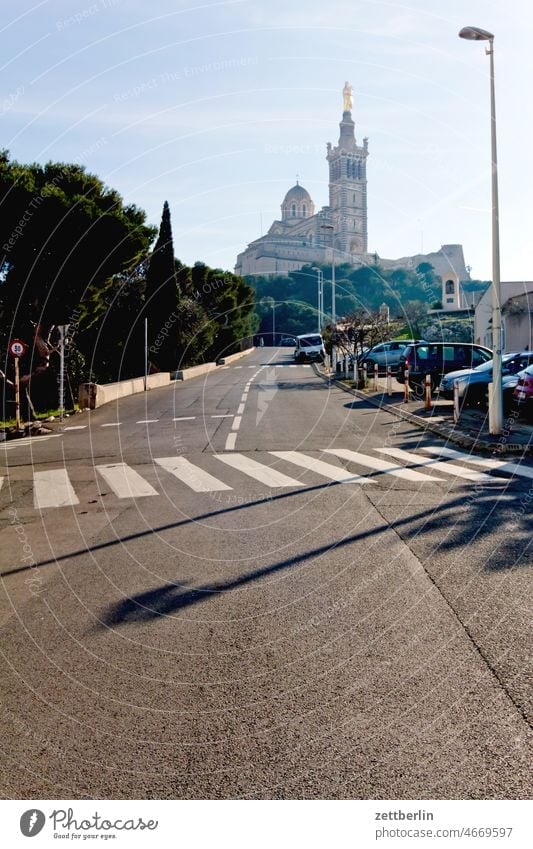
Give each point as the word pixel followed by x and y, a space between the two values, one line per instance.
pixel 236 587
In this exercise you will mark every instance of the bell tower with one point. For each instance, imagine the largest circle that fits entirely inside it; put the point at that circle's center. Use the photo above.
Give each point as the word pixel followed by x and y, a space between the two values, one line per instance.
pixel 347 186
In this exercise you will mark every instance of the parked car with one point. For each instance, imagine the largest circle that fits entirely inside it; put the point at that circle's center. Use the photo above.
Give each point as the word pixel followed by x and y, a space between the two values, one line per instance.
pixel 309 346
pixel 523 393
pixel 287 341
pixel 473 384
pixel 385 354
pixel 438 359
pixel 509 384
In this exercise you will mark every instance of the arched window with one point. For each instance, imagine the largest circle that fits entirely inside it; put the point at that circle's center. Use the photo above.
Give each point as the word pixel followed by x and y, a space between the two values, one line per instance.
pixel 304 211
pixel 450 287
pixel 293 210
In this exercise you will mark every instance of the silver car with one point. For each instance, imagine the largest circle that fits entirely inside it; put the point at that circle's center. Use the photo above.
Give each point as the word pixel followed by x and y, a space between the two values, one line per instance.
pixel 386 354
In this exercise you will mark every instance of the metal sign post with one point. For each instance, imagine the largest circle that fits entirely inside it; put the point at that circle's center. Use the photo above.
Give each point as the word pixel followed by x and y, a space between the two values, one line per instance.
pixel 62 330
pixel 17 348
pixel 145 354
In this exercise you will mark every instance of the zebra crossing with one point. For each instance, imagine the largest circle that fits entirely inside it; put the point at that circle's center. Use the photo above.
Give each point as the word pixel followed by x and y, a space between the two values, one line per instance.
pixel 432 464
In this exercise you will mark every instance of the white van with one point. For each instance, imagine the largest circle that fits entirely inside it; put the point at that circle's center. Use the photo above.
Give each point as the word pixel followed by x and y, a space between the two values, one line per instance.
pixel 309 346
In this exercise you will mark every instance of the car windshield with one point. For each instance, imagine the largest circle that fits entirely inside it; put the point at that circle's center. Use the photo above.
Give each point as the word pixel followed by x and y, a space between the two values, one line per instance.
pixel 310 341
pixel 488 365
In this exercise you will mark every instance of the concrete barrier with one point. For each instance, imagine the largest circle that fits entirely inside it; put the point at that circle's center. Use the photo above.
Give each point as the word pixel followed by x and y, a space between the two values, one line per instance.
pixel 93 395
pixel 225 360
pixel 194 371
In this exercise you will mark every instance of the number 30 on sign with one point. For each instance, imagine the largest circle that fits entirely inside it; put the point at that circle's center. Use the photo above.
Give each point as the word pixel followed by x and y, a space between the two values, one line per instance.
pixel 17 348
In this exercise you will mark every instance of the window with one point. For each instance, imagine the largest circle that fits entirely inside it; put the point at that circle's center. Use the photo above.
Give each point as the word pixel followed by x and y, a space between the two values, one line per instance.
pixel 304 211
pixel 293 210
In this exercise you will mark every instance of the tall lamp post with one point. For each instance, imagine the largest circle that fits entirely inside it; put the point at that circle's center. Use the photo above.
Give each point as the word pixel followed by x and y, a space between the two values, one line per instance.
pixel 273 325
pixel 320 279
pixel 333 293
pixel 496 407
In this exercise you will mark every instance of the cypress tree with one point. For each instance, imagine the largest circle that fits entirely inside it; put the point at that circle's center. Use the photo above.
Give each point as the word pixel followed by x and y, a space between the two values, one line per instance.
pixel 162 299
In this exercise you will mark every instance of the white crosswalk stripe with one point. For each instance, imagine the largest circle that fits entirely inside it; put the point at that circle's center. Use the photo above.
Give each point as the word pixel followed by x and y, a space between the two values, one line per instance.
pixel 327 470
pixel 125 481
pixel 191 475
pixel 484 462
pixel 265 474
pixel 53 488
pixel 447 468
pixel 381 465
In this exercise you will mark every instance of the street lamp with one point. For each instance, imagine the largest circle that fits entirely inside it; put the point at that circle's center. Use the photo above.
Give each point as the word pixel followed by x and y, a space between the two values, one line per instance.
pixel 333 295
pixel 496 407
pixel 320 278
pixel 273 325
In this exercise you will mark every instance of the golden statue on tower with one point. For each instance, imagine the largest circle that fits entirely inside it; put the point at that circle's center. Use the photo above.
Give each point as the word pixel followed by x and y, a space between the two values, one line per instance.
pixel 348 99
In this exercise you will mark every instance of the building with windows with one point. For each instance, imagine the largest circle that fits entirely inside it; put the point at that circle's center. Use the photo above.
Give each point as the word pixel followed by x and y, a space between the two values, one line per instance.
pixel 338 232
pixel 517 316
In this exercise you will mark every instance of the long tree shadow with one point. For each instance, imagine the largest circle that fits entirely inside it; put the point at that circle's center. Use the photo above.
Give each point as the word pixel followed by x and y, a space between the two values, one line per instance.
pixel 169 598
pixel 473 514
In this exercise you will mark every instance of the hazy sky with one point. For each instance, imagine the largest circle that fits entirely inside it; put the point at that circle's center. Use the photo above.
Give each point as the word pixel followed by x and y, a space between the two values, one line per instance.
pixel 217 106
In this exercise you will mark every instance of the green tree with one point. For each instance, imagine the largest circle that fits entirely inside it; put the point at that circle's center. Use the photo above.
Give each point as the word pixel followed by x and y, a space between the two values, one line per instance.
pixel 162 299
pixel 65 239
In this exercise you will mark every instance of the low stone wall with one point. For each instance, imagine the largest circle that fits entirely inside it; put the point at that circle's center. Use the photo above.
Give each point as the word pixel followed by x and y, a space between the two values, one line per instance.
pixel 194 371
pixel 93 395
pixel 232 357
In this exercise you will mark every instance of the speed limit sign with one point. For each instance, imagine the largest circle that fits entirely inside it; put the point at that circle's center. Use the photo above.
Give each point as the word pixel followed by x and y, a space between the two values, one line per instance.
pixel 17 348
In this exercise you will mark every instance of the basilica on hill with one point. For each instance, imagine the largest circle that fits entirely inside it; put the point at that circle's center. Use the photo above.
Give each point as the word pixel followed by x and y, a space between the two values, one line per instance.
pixel 338 232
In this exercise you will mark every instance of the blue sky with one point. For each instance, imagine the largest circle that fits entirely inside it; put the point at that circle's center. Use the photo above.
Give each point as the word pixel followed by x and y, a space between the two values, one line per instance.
pixel 216 106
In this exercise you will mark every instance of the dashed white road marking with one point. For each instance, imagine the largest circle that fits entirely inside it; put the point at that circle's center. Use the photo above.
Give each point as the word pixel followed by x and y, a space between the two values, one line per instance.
pixel 240 409
pixel 327 470
pixel 111 424
pixel 125 481
pixel 29 440
pixel 266 475
pixel 192 475
pixel 75 427
pixel 53 488
pixel 381 465
pixel 230 441
pixel 236 423
pixel 448 468
pixel 223 416
pixel 184 419
pixel 146 421
pixel 486 462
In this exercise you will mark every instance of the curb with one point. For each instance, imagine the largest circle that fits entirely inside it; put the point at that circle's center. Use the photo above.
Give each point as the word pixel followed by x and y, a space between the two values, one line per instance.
pixel 446 431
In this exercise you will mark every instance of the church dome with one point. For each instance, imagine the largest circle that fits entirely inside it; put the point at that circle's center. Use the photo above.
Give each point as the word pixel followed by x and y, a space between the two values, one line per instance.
pixel 297 204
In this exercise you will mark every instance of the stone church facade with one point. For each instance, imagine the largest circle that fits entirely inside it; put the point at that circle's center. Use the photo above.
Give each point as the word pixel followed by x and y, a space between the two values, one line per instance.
pixel 338 232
